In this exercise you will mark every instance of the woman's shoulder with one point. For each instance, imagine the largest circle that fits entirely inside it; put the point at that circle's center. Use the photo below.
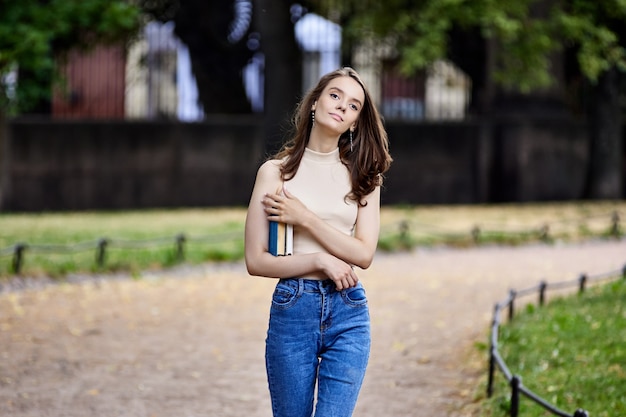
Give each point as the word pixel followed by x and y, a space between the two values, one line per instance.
pixel 270 169
pixel 272 165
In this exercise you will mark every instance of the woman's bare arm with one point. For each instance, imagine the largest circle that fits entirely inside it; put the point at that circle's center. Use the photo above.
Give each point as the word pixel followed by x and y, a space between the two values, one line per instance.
pixel 260 262
pixel 358 250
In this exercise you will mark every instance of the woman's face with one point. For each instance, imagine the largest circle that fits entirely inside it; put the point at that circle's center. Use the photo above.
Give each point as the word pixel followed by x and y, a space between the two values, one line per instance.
pixel 339 105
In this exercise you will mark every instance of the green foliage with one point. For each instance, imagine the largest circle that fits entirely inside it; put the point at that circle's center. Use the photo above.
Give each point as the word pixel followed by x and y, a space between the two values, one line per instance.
pixel 595 26
pixel 526 33
pixel 35 33
pixel 570 352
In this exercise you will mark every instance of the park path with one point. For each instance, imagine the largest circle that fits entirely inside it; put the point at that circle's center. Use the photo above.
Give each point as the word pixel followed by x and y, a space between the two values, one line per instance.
pixel 188 342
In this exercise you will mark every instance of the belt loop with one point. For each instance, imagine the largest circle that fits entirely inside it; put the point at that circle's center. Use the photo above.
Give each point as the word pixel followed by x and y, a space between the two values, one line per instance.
pixel 300 286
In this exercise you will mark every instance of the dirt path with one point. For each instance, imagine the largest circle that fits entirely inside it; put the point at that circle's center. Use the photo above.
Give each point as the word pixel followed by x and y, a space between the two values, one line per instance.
pixel 189 342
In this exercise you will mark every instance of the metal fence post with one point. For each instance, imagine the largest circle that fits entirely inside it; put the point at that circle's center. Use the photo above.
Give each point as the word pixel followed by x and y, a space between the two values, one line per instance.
pixel 515 383
pixel 512 293
pixel 18 257
pixel 476 235
pixel 582 281
pixel 492 366
pixel 615 224
pixel 101 252
pixel 542 292
pixel 404 234
pixel 180 247
pixel 492 350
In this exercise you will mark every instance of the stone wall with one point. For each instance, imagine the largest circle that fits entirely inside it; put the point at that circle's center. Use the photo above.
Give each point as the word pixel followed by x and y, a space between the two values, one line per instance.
pixel 81 165
pixel 96 165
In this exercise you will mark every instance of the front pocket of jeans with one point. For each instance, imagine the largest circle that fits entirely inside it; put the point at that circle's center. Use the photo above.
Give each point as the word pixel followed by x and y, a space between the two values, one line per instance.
pixel 285 295
pixel 354 297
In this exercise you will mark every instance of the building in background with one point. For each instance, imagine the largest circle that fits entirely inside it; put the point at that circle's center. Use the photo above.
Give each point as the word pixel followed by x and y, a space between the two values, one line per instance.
pixel 92 84
pixel 320 40
pixel 154 79
pixel 159 80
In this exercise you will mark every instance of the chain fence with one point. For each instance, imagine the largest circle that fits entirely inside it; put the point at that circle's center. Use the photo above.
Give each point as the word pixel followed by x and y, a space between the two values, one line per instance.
pixel 404 234
pixel 409 233
pixel 101 246
pixel 496 361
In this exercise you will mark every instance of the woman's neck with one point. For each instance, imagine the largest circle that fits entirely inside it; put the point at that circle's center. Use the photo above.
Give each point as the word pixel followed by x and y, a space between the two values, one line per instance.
pixel 321 142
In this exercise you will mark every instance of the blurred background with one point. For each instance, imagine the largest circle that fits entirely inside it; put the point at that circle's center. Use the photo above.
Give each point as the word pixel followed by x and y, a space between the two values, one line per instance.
pixel 174 103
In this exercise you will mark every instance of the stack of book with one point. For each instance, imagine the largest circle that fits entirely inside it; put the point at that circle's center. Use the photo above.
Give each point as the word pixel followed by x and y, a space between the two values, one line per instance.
pixel 281 239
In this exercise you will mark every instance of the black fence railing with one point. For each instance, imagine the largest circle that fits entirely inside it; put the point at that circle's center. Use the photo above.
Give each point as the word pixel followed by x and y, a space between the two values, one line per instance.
pixel 405 233
pixel 606 225
pixel 102 245
pixel 496 360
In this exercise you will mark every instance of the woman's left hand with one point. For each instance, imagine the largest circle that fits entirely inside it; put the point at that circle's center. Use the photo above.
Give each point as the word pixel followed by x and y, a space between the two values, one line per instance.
pixel 284 207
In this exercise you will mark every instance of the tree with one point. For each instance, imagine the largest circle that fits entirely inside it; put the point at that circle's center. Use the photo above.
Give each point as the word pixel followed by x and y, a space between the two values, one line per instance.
pixel 216 33
pixel 521 39
pixel 218 51
pixel 282 67
pixel 35 33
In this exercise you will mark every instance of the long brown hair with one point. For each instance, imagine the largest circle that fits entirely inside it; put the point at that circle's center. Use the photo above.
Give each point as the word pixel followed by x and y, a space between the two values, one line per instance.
pixel 370 157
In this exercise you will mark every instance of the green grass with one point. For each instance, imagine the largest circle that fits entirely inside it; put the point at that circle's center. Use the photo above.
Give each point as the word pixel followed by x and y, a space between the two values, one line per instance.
pixel 217 234
pixel 502 224
pixel 571 352
pixel 138 240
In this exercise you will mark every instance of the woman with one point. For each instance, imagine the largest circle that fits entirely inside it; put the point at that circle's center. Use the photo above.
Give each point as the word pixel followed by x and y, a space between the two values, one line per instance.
pixel 325 181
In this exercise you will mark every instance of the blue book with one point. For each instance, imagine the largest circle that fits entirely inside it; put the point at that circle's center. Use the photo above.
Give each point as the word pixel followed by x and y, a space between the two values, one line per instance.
pixel 280 239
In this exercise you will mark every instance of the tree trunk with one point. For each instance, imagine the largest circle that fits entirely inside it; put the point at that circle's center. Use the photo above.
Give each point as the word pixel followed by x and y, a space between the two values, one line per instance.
pixel 283 68
pixel 604 172
pixel 217 63
pixel 4 158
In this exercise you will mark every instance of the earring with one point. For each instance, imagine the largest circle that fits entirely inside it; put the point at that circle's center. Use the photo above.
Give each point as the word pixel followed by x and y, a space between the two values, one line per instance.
pixel 351 140
pixel 312 117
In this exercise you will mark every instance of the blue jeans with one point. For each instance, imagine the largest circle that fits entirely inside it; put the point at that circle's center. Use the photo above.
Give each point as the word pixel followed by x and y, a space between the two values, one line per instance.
pixel 316 335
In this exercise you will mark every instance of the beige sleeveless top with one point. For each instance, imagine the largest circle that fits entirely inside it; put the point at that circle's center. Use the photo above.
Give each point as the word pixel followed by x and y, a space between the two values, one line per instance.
pixel 322 184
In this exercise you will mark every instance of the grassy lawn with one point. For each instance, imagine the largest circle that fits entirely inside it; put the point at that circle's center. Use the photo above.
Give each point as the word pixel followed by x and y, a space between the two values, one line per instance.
pixel 571 352
pixel 137 239
pixel 511 224
pixel 61 243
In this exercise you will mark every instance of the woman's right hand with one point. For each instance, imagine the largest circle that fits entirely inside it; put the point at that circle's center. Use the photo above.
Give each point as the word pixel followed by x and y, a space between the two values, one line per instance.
pixel 340 272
